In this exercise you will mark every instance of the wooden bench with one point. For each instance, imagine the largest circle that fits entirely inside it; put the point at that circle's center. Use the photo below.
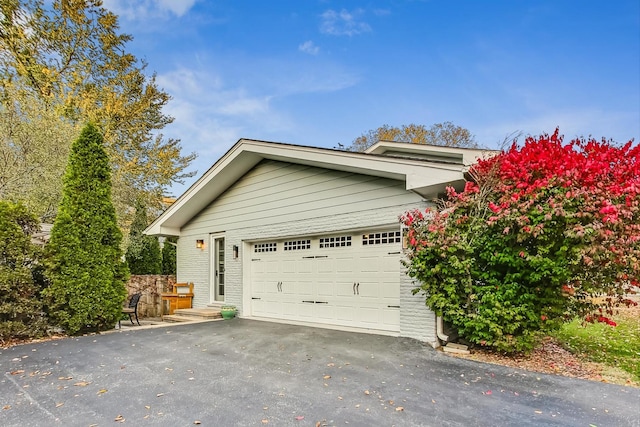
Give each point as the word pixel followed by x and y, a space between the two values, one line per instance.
pixel 181 297
pixel 131 309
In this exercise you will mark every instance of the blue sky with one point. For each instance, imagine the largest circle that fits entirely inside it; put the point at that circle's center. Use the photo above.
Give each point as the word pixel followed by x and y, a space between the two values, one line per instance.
pixel 323 72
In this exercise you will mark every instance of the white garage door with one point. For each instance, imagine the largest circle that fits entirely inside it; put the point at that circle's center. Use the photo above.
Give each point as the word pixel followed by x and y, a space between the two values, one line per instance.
pixel 348 280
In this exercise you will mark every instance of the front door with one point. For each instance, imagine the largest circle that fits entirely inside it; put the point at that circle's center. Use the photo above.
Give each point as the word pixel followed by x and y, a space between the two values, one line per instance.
pixel 217 268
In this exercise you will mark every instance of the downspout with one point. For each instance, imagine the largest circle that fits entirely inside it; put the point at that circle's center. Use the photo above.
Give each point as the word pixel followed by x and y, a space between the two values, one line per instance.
pixel 440 330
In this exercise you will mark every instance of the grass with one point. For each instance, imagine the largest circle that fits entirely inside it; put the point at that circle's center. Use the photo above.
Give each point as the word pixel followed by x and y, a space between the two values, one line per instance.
pixel 617 346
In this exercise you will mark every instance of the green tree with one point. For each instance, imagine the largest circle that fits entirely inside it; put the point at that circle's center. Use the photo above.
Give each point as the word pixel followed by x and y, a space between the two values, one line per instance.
pixel 169 254
pixel 143 253
pixel 34 147
pixel 71 57
pixel 20 309
pixel 446 134
pixel 84 259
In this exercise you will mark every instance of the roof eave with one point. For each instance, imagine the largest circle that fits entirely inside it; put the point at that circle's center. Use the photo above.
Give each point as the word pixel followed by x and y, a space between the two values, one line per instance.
pixel 245 154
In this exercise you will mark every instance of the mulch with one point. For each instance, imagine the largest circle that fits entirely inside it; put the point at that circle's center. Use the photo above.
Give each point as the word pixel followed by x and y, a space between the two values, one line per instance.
pixel 551 358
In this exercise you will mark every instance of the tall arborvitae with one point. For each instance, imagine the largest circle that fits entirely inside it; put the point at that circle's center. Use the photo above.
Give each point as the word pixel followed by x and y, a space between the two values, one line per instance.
pixel 84 261
pixel 143 254
pixel 169 256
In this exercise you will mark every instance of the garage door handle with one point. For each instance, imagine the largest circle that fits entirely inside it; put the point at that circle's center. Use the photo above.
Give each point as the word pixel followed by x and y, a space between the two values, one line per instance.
pixel 393 253
pixel 255 298
pixel 393 306
pixel 354 288
pixel 310 302
pixel 322 302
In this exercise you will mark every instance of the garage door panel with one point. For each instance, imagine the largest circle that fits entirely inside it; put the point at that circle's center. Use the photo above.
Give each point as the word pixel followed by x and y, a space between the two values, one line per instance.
pixel 389 294
pixel 344 264
pixel 305 265
pixel 325 266
pixel 345 289
pixel 289 266
pixel 305 310
pixel 369 264
pixel 272 267
pixel 325 289
pixel 368 315
pixel 390 318
pixel 290 309
pixel 304 289
pixel 324 313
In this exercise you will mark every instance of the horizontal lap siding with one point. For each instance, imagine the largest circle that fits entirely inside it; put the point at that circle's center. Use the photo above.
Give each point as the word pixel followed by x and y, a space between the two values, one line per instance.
pixel 277 192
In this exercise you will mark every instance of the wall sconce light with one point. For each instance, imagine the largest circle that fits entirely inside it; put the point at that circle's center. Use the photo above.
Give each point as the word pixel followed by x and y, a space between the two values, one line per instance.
pixel 200 244
pixel 235 251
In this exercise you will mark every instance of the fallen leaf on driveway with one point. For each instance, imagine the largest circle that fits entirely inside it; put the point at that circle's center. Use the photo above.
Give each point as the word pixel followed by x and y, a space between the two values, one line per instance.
pixel 18 372
pixel 399 408
pixel 367 392
pixel 265 421
pixel 488 392
pixel 326 377
pixel 82 383
pixel 65 378
pixel 5 407
pixel 104 390
pixel 59 404
pixel 159 394
pixel 538 412
pixel 119 418
pixel 197 422
pixel 299 417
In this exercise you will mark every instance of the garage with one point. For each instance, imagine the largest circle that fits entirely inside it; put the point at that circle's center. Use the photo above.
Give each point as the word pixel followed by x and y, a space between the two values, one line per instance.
pixel 349 279
pixel 309 235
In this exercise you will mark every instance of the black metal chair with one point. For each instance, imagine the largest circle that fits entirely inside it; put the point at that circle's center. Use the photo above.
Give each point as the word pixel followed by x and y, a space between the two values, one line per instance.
pixel 132 309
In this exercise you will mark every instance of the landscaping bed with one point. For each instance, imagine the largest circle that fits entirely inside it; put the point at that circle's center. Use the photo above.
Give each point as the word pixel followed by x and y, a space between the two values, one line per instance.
pixel 596 352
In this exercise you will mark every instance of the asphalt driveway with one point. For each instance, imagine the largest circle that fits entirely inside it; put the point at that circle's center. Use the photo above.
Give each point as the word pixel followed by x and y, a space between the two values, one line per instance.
pixel 250 373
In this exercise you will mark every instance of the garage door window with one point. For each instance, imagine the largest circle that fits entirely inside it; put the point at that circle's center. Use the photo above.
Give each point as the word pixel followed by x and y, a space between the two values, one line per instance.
pixel 265 247
pixel 381 238
pixel 296 245
pixel 335 242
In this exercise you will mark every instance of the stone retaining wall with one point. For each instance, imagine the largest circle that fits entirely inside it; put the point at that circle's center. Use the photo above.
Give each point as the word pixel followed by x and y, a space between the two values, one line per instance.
pixel 151 287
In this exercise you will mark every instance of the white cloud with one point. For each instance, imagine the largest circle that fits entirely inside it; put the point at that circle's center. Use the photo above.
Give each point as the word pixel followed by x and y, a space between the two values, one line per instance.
pixel 211 115
pixel 215 103
pixel 141 10
pixel 309 47
pixel 343 23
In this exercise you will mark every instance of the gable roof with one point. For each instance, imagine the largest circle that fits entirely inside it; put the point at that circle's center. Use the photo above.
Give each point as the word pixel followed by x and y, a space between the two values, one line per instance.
pixel 426 176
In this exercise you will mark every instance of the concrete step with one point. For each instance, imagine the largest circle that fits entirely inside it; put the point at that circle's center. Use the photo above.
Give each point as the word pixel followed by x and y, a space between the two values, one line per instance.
pixel 172 318
pixel 198 313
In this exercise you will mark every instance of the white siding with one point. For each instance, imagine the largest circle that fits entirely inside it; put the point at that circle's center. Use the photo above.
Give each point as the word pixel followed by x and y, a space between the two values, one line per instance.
pixel 275 192
pixel 276 200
